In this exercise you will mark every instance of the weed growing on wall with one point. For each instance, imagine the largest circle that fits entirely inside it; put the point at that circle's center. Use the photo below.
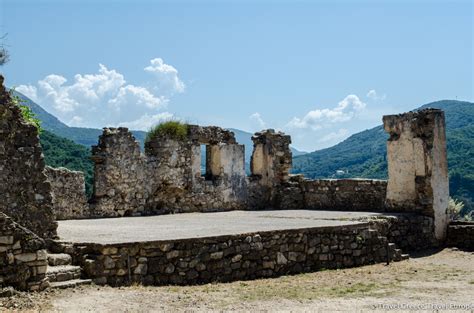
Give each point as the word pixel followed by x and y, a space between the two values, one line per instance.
pixel 173 129
pixel 26 111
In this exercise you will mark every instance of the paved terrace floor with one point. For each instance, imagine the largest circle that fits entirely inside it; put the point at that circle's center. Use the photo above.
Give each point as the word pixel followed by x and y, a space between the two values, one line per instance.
pixel 193 225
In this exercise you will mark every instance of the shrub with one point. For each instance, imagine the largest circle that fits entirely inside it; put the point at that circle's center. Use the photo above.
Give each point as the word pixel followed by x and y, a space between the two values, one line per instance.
pixel 172 129
pixel 26 112
pixel 454 210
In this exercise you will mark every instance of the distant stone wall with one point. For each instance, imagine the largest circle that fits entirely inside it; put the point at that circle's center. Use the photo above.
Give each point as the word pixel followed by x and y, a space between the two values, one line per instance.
pixel 68 193
pixel 23 258
pixel 238 257
pixel 25 194
pixel 333 194
pixel 461 235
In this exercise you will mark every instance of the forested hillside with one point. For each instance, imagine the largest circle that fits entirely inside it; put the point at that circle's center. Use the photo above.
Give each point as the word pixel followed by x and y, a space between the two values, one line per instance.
pixel 62 152
pixel 80 135
pixel 363 154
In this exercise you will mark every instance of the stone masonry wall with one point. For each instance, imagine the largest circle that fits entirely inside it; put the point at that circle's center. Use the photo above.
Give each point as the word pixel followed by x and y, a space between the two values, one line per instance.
pixel 68 193
pixel 333 194
pixel 417 165
pixel 461 235
pixel 25 194
pixel 408 231
pixel 167 179
pixel 228 258
pixel 23 258
pixel 120 175
pixel 270 168
pixel 180 186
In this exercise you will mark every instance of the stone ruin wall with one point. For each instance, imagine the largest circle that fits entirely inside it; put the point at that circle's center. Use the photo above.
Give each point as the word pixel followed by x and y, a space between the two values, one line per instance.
pixel 23 258
pixel 176 168
pixel 417 166
pixel 168 178
pixel 461 235
pixel 25 193
pixel 68 193
pixel 236 257
pixel 121 180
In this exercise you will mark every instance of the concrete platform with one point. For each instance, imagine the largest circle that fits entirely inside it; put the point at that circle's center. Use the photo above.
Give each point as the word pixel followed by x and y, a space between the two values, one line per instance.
pixel 198 225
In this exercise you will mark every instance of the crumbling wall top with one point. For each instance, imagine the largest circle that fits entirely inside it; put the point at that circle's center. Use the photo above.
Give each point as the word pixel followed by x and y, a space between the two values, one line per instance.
pixel 420 123
pixel 210 135
pixel 115 140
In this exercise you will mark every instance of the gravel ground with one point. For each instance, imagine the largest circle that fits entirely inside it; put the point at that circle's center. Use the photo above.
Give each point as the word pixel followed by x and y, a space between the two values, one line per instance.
pixel 436 278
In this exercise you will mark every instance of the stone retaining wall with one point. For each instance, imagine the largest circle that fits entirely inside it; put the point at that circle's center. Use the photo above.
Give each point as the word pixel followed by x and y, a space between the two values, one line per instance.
pixel 409 232
pixel 461 235
pixel 68 193
pixel 23 258
pixel 237 257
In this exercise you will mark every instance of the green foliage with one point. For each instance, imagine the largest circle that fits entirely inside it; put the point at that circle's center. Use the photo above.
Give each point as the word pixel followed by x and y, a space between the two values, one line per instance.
pixel 364 154
pixel 173 129
pixel 62 152
pixel 26 111
pixel 454 209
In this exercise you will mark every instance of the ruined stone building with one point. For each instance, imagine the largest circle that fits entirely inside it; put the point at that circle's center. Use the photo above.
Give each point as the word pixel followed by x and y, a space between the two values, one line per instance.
pixel 167 178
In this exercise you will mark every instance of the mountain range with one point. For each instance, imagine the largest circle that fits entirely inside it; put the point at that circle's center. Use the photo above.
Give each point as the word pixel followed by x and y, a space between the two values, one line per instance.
pixel 89 136
pixel 364 154
pixel 361 155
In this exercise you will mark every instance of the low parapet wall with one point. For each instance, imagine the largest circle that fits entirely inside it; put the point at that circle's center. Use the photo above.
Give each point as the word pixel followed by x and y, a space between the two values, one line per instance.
pixel 333 194
pixel 236 257
pixel 23 258
pixel 461 235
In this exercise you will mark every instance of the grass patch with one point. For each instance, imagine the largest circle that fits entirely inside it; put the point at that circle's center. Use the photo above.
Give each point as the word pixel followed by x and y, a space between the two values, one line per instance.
pixel 471 282
pixel 172 129
pixel 295 289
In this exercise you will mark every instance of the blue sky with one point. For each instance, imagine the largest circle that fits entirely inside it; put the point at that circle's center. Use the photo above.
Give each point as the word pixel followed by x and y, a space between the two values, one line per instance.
pixel 319 71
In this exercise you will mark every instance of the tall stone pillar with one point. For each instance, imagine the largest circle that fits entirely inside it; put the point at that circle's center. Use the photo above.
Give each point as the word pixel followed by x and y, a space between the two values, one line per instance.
pixel 417 166
pixel 271 157
pixel 270 168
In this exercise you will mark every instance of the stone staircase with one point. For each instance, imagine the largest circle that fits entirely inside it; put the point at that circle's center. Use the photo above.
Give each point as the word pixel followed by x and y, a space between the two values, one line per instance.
pixel 396 254
pixel 61 272
pixel 393 253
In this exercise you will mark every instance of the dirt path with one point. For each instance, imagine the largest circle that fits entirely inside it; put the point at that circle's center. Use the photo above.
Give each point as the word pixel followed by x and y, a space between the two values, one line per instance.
pixel 445 277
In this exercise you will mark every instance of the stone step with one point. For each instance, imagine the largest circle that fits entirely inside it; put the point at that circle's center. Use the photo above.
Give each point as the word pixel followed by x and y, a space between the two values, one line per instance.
pixel 55 259
pixel 61 273
pixel 70 283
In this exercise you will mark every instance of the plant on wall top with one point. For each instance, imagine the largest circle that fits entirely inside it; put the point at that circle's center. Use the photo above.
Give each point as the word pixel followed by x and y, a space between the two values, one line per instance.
pixel 26 111
pixel 172 129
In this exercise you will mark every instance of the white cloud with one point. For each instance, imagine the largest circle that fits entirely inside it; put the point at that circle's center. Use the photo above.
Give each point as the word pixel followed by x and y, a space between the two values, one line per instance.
pixel 147 121
pixel 167 76
pixel 335 136
pixel 372 94
pixel 105 98
pixel 316 119
pixel 257 123
pixel 29 91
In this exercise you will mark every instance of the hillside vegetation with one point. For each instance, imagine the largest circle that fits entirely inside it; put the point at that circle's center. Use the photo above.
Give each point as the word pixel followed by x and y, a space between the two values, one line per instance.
pixel 62 152
pixel 364 154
